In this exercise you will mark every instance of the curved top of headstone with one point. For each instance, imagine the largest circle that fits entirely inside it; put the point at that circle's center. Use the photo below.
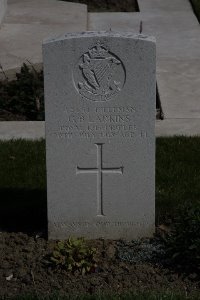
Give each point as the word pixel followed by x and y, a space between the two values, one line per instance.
pixel 90 34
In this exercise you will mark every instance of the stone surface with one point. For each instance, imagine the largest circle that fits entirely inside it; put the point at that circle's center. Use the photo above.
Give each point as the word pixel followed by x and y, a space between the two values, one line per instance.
pixel 179 87
pixel 163 5
pixel 178 46
pixel 21 130
pixel 3 8
pixel 177 34
pixel 28 22
pixel 174 127
pixel 100 135
pixel 119 21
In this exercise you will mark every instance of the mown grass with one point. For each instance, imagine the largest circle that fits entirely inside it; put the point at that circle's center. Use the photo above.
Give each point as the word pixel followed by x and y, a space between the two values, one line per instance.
pixel 22 164
pixel 23 180
pixel 177 174
pixel 22 185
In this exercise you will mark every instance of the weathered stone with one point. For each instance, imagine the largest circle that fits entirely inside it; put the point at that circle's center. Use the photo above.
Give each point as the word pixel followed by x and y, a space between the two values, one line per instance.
pixel 3 8
pixel 100 118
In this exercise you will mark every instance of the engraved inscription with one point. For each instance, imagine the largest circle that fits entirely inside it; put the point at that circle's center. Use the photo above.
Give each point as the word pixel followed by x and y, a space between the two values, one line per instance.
pixel 99 74
pixel 75 225
pixel 99 170
pixel 98 122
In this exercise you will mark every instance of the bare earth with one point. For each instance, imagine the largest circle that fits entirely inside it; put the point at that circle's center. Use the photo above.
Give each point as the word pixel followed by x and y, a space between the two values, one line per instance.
pixel 23 271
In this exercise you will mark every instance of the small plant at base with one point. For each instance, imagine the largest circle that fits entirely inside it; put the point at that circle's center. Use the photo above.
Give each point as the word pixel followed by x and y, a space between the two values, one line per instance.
pixel 74 255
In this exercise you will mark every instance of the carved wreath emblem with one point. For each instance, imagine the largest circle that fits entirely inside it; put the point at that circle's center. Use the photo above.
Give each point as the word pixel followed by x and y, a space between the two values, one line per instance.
pixel 101 74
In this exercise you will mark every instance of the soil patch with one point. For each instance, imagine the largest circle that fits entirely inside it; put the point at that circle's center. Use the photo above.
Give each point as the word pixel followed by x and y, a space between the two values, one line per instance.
pixel 23 270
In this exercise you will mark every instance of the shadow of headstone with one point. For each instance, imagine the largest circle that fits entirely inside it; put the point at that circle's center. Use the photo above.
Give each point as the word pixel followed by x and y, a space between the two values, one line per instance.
pixel 23 210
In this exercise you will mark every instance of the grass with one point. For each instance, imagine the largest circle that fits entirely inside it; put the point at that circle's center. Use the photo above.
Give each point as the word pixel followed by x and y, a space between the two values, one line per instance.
pixel 177 173
pixel 22 185
pixel 22 165
pixel 23 180
pixel 129 296
pixel 196 7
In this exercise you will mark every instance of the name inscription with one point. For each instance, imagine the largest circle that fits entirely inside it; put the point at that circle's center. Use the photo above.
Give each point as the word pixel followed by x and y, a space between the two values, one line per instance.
pixel 98 122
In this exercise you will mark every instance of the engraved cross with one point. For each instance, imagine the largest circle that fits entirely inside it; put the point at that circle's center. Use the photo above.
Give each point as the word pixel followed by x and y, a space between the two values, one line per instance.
pixel 99 171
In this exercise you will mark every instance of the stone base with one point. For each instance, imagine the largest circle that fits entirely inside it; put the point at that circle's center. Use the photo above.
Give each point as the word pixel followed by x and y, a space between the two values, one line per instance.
pixel 102 229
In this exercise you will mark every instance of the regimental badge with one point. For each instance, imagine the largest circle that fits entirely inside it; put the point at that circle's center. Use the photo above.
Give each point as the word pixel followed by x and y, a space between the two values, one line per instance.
pixel 99 74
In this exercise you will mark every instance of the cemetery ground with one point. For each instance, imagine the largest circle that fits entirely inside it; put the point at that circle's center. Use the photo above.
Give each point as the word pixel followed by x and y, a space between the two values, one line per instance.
pixel 169 262
pixel 167 265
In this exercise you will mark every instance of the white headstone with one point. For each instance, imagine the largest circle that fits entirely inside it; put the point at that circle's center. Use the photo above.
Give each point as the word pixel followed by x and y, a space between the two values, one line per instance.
pixel 100 92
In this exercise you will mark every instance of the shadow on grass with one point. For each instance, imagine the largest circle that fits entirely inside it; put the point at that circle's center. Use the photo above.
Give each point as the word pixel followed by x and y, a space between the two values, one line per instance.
pixel 23 210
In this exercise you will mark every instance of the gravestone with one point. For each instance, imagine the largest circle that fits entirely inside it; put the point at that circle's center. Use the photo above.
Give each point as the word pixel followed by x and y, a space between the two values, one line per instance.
pixel 100 145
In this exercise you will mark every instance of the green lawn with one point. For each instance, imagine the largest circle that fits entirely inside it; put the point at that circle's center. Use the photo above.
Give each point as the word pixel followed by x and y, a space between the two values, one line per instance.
pixel 22 165
pixel 22 185
pixel 177 173
pixel 23 180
